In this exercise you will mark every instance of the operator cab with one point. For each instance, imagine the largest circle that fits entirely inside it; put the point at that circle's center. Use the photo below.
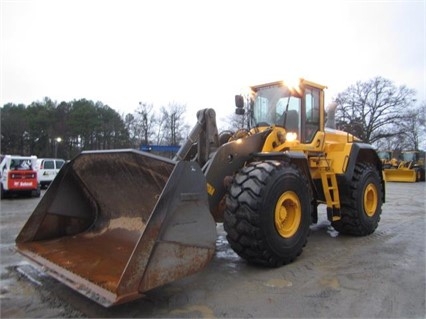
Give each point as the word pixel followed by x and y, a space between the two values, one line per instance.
pixel 298 109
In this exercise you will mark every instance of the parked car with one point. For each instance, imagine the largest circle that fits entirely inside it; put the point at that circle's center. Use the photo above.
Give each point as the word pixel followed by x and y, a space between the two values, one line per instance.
pixel 47 168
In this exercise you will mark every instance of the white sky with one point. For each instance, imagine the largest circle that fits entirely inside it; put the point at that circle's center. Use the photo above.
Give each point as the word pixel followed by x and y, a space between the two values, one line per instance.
pixel 202 53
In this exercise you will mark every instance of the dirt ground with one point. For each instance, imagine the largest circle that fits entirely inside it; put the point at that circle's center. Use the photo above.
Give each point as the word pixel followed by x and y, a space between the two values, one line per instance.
pixel 381 276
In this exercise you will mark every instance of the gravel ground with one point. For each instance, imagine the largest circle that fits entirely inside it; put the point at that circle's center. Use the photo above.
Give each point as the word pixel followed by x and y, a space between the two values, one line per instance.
pixel 381 275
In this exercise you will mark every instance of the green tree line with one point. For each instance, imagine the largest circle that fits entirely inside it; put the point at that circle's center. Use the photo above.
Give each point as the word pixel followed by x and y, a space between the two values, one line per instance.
pixel 47 129
pixel 50 129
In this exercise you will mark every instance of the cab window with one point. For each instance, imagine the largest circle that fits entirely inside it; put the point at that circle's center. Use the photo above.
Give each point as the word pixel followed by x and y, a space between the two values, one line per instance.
pixel 59 164
pixel 312 107
pixel 48 165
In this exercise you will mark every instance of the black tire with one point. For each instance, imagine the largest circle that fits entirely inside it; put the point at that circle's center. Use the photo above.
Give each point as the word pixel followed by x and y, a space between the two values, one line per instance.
pixel 225 136
pixel 420 174
pixel 268 213
pixel 36 193
pixel 361 209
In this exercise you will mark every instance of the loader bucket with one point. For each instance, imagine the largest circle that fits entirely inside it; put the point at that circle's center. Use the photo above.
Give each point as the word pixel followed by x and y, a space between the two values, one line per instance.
pixel 115 224
pixel 400 175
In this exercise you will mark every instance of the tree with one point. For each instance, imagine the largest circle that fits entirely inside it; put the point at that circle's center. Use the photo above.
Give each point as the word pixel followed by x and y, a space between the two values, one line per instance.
pixel 82 124
pixel 370 110
pixel 234 122
pixel 41 122
pixel 132 129
pixel 14 129
pixel 62 129
pixel 145 120
pixel 413 127
pixel 96 126
pixel 172 127
pixel 85 125
pixel 111 133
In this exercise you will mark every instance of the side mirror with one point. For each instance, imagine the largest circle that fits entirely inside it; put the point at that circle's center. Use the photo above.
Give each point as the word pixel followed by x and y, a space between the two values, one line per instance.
pixel 239 111
pixel 239 101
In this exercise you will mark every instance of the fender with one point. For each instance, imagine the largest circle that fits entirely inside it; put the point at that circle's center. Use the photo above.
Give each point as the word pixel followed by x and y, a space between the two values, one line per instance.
pixel 298 158
pixel 360 152
pixel 225 162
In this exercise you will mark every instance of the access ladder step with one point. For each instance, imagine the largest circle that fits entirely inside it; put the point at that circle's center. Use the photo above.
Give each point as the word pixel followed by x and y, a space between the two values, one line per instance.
pixel 331 194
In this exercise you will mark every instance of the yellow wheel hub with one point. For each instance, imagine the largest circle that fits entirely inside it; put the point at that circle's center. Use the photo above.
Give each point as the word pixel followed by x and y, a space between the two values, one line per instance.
pixel 288 214
pixel 371 198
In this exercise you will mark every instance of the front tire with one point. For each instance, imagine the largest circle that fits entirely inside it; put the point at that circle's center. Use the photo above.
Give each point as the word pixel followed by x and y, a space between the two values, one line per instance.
pixel 420 174
pixel 268 213
pixel 362 207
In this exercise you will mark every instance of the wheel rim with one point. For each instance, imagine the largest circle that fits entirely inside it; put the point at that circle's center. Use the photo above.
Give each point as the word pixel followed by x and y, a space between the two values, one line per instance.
pixel 370 200
pixel 288 214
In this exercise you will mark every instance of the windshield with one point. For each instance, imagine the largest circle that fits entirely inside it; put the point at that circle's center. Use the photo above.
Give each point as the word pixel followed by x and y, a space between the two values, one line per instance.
pixel 20 164
pixel 384 155
pixel 275 105
pixel 409 156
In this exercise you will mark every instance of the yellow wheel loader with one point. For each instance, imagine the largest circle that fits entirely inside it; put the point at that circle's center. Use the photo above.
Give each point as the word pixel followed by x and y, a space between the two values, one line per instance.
pixel 410 168
pixel 115 224
pixel 388 161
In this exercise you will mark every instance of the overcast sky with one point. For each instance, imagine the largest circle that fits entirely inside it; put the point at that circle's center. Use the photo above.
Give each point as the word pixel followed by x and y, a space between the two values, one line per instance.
pixel 202 53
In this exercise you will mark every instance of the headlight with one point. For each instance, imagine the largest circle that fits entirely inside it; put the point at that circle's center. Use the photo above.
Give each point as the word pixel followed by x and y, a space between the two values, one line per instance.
pixel 291 136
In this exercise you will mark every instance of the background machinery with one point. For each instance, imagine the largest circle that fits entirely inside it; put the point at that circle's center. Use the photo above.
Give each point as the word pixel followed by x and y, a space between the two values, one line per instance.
pixel 388 159
pixel 115 224
pixel 407 166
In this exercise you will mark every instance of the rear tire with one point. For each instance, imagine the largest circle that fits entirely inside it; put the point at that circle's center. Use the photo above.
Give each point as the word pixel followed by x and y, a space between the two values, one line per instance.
pixel 36 193
pixel 361 210
pixel 268 213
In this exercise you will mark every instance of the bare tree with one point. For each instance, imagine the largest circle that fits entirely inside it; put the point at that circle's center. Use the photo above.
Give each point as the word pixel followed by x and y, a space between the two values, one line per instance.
pixel 161 126
pixel 371 109
pixel 133 129
pixel 413 126
pixel 234 122
pixel 145 121
pixel 394 143
pixel 172 123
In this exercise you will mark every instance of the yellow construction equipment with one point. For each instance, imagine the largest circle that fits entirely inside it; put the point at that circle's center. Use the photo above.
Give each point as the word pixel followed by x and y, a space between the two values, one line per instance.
pixel 410 168
pixel 388 159
pixel 115 224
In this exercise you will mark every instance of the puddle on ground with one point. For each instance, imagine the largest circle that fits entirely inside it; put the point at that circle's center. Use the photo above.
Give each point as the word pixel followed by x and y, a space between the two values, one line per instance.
pixel 332 282
pixel 278 283
pixel 201 311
